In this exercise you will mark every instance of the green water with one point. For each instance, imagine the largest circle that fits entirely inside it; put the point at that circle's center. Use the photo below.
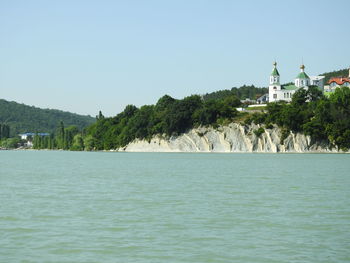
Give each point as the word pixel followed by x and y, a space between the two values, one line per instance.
pixel 152 207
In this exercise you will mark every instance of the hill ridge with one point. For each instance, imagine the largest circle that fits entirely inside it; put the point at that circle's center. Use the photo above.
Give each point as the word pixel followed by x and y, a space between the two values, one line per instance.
pixel 25 118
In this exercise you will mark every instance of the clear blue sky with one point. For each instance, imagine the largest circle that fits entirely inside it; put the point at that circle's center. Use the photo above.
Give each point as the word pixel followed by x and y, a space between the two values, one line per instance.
pixel 85 56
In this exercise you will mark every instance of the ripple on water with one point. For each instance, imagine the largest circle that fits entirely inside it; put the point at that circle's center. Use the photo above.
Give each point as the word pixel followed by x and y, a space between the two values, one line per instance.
pixel 149 208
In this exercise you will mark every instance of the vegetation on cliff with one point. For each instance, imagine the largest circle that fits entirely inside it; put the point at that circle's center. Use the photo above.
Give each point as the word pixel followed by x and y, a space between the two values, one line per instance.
pixel 324 119
pixel 311 113
pixel 168 117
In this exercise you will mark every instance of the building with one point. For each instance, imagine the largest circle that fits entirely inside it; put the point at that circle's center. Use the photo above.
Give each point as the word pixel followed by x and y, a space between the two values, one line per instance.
pixel 248 101
pixel 278 92
pixel 28 135
pixel 317 81
pixel 263 99
pixel 338 82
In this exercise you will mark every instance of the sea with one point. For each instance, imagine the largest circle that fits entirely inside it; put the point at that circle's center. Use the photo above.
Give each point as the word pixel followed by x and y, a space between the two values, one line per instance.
pixel 61 206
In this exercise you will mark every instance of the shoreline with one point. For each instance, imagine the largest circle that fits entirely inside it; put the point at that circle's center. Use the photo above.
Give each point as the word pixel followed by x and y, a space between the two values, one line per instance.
pixel 231 138
pixel 189 152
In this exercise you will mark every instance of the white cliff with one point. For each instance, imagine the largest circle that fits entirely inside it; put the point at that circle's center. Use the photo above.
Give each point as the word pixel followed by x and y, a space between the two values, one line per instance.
pixel 232 138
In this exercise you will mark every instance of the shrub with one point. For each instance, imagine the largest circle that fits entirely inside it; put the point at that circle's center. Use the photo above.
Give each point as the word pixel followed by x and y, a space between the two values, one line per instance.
pixel 284 135
pixel 259 131
pixel 269 126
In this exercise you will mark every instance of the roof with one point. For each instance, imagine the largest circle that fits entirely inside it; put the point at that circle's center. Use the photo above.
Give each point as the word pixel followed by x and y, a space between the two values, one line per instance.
pixel 339 81
pixel 27 133
pixel 263 96
pixel 302 75
pixel 33 134
pixel 275 72
pixel 290 87
pixel 316 77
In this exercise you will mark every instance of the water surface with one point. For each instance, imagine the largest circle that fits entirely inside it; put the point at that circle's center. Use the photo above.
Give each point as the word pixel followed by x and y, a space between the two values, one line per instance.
pixel 179 207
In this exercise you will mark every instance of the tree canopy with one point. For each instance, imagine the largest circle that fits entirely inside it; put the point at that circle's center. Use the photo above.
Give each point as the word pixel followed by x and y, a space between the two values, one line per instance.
pixel 167 117
pixel 243 92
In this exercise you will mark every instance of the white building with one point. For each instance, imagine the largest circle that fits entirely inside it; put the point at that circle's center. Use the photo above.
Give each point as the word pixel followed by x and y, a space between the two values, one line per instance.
pixel 317 81
pixel 278 92
pixel 27 135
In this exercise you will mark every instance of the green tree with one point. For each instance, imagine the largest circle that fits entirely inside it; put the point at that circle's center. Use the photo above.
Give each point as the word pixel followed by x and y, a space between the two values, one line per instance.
pixel 5 131
pixel 78 143
pixel 180 115
pixel 69 134
pixel 339 127
pixel 60 138
pixel 37 142
pixel 89 143
pixel 10 143
pixel 100 116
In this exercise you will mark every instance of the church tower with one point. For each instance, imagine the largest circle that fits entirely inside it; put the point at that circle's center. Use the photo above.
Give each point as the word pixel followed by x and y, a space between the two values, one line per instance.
pixel 275 76
pixel 274 84
pixel 302 80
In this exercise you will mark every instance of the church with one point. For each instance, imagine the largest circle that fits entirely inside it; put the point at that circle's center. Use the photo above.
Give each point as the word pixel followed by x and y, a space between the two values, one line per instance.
pixel 278 92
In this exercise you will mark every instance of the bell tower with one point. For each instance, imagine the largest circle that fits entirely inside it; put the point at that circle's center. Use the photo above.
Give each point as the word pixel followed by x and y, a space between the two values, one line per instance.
pixel 275 76
pixel 275 85
pixel 302 80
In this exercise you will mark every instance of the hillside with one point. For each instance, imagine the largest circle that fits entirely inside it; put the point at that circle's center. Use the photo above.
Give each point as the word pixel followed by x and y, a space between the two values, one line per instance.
pixel 23 118
pixel 244 92
pixel 309 113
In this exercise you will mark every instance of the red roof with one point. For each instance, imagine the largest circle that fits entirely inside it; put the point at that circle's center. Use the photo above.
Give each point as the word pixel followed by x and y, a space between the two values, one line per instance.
pixel 339 81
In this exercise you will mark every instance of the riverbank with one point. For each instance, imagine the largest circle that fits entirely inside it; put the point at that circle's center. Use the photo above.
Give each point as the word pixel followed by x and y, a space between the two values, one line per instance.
pixel 232 138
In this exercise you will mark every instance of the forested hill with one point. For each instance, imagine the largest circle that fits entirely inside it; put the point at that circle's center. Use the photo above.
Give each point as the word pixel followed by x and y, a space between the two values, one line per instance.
pixel 244 92
pixel 23 118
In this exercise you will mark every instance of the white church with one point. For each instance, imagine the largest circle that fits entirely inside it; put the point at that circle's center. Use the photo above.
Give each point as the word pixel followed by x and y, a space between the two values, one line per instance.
pixel 278 92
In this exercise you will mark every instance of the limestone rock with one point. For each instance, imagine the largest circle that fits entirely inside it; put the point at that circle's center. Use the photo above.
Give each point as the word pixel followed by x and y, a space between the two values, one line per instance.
pixel 232 138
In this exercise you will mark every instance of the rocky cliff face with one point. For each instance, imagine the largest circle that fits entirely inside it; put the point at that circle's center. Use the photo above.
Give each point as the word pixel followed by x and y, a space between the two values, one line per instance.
pixel 232 138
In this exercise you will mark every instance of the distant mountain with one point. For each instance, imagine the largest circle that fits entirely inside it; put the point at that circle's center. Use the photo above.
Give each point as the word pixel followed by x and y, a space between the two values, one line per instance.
pixel 23 118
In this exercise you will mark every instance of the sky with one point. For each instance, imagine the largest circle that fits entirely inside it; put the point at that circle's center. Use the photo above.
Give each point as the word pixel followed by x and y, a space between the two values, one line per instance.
pixel 85 56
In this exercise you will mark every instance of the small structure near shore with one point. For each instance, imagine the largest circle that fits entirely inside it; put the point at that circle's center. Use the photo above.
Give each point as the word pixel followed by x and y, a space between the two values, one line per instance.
pixel 28 135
